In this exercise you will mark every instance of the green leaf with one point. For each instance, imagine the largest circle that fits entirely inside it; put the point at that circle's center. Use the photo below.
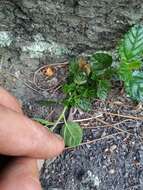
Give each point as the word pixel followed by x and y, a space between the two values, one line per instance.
pixel 125 69
pixel 124 72
pixel 73 67
pixel 100 62
pixel 109 73
pixel 134 87
pixel 85 105
pixel 135 64
pixel 131 46
pixel 69 88
pixel 103 89
pixel 80 78
pixel 72 134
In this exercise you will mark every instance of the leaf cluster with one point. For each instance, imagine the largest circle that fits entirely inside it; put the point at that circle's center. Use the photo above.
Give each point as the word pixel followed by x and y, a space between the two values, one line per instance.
pixel 130 68
pixel 88 79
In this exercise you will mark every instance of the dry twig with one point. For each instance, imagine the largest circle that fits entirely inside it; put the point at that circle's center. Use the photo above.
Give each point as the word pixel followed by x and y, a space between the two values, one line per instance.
pixel 87 119
pixel 124 116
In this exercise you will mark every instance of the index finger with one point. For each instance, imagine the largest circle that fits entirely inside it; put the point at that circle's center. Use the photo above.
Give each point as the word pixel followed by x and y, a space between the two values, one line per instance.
pixel 20 136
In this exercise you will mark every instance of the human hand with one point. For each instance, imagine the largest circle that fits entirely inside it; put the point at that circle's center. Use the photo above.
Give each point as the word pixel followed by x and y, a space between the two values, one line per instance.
pixel 25 141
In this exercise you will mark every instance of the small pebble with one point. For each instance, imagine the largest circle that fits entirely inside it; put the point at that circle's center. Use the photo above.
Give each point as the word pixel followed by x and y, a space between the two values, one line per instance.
pixel 112 171
pixel 113 147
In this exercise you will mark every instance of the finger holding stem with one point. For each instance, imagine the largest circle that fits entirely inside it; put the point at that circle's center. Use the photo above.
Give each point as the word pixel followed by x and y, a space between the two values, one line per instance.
pixel 62 116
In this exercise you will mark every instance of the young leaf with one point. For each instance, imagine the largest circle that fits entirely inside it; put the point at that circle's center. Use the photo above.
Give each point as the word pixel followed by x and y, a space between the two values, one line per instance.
pixel 135 64
pixel 131 46
pixel 103 89
pixel 110 72
pixel 84 104
pixel 80 79
pixel 100 62
pixel 134 87
pixel 72 134
pixel 73 67
pixel 69 88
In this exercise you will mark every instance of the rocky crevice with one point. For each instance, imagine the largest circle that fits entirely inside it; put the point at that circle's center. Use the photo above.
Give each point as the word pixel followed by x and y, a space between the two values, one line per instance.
pixel 79 25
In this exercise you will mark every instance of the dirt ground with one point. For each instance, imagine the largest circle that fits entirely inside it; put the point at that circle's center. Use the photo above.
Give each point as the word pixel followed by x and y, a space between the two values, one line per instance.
pixel 111 157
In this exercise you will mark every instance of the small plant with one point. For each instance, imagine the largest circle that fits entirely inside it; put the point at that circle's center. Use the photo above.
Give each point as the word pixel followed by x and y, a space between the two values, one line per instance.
pixel 90 79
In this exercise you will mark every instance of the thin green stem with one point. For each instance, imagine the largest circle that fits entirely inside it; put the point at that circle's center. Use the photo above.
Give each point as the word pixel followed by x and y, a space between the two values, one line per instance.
pixel 60 118
pixel 44 122
pixel 65 119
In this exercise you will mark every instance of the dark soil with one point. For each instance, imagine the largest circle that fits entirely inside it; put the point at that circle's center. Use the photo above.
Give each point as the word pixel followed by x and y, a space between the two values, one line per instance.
pixel 109 163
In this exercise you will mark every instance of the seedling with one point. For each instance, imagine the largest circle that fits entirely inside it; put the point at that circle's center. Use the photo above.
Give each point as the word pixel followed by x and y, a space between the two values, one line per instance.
pixel 91 78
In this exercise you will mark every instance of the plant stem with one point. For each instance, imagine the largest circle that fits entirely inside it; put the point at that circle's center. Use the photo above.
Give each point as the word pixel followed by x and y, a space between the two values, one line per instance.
pixel 62 116
pixel 65 119
pixel 44 122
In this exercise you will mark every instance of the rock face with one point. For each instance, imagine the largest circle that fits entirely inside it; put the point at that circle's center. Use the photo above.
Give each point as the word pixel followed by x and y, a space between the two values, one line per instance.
pixel 61 26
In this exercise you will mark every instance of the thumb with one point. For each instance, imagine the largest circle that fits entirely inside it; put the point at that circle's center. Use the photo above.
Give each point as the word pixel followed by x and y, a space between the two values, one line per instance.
pixel 20 136
pixel 20 173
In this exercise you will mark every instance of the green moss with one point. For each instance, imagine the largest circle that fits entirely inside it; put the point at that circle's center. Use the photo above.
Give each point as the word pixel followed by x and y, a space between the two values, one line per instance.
pixel 5 38
pixel 40 46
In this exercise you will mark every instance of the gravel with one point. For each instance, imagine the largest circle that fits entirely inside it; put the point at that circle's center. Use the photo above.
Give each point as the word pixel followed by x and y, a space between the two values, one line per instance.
pixel 114 163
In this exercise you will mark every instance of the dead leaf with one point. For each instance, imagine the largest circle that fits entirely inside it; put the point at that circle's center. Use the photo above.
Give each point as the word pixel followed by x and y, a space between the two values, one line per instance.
pixel 84 66
pixel 48 71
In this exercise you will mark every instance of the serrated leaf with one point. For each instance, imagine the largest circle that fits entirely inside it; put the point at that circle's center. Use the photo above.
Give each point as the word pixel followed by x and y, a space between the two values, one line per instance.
pixel 100 62
pixel 125 69
pixel 80 79
pixel 134 87
pixel 124 72
pixel 134 65
pixel 73 67
pixel 103 89
pixel 110 72
pixel 85 105
pixel 72 134
pixel 67 88
pixel 131 46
